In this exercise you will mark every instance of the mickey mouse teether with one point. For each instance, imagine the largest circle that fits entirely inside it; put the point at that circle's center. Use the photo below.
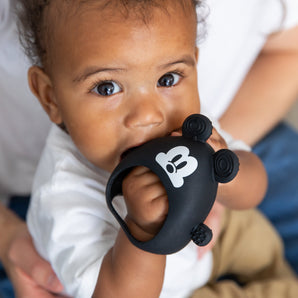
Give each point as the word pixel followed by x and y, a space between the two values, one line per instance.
pixel 190 170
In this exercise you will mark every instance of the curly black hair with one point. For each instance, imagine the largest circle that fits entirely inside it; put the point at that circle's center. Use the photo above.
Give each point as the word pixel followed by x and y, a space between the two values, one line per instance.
pixel 36 26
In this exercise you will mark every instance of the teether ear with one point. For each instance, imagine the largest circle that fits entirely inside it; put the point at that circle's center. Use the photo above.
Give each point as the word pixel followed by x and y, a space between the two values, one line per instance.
pixel 197 127
pixel 226 165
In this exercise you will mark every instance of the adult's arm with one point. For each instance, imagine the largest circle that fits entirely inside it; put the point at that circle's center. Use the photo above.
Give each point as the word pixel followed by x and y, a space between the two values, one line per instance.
pixel 269 90
pixel 31 275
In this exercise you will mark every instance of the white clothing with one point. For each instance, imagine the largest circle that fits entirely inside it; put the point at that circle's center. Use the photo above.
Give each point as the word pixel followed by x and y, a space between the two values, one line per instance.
pixel 24 125
pixel 73 228
pixel 236 32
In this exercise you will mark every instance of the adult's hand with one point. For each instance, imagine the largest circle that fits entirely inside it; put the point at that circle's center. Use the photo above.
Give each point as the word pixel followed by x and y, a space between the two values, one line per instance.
pixel 30 275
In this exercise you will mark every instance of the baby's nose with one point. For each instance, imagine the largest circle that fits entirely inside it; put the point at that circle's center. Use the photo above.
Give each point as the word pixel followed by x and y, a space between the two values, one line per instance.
pixel 145 111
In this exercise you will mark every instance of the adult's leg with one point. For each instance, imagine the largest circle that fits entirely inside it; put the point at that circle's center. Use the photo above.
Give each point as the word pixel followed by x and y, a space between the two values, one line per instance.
pixel 248 261
pixel 279 153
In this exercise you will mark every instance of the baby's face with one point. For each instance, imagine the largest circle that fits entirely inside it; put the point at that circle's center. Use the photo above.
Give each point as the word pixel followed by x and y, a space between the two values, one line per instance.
pixel 120 82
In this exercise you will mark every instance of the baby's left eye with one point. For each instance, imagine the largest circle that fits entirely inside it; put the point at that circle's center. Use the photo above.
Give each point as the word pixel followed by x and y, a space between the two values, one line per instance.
pixel 168 80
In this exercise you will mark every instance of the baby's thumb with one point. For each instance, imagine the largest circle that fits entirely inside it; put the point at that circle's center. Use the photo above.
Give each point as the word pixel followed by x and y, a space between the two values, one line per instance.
pixel 176 133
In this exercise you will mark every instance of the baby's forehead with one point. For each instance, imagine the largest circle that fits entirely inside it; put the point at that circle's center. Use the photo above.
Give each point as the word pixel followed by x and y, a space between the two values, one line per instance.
pixel 71 13
pixel 58 18
pixel 138 9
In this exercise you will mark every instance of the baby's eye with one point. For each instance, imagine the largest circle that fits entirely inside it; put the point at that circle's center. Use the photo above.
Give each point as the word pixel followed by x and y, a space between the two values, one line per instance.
pixel 106 88
pixel 168 80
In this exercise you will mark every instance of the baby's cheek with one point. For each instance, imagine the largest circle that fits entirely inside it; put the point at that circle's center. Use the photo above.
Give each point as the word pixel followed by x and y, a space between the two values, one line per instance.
pixel 100 157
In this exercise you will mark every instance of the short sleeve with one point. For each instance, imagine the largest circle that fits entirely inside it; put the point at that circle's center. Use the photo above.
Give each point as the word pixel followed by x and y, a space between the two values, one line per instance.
pixel 232 143
pixel 279 15
pixel 291 14
pixel 74 232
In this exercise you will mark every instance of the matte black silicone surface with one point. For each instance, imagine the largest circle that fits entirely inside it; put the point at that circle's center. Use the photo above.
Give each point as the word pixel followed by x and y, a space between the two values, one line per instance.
pixel 190 171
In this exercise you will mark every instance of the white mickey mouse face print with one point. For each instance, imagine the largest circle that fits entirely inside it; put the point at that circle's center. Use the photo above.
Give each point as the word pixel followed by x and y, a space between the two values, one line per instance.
pixel 177 163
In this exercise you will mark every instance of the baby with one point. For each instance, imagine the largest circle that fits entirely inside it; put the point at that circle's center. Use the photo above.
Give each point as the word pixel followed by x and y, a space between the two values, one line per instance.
pixel 113 75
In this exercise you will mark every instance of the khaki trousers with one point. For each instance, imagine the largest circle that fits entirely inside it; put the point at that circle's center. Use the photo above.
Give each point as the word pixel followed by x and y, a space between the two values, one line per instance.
pixel 250 250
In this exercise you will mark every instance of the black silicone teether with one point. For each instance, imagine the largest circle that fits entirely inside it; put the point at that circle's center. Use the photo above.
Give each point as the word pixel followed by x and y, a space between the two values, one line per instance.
pixel 201 234
pixel 190 171
pixel 197 128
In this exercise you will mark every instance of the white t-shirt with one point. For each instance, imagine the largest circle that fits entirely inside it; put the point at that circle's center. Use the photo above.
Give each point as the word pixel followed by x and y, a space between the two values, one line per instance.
pixel 236 32
pixel 73 228
pixel 23 124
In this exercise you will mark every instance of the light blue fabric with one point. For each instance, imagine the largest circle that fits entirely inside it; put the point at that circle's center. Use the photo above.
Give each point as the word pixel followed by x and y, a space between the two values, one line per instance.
pixel 6 290
pixel 279 153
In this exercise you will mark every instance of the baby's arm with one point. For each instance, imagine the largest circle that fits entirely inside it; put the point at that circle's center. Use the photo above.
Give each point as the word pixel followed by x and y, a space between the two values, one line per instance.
pixel 126 270
pixel 248 188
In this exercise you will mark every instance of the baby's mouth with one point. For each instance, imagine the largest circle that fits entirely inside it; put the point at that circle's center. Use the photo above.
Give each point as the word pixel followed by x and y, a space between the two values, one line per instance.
pixel 126 152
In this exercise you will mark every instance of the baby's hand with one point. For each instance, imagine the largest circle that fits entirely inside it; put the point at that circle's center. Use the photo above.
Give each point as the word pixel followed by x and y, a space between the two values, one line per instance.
pixel 146 201
pixel 216 141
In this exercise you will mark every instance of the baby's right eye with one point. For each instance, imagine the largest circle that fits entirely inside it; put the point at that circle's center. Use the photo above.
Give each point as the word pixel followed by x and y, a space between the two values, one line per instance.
pixel 106 88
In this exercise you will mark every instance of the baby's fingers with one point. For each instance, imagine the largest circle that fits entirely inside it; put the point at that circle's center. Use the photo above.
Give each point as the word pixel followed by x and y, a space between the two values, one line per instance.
pixel 146 199
pixel 160 207
pixel 137 181
pixel 216 141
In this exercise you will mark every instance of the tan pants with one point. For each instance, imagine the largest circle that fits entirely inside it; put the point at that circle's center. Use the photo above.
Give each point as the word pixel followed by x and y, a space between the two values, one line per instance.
pixel 249 249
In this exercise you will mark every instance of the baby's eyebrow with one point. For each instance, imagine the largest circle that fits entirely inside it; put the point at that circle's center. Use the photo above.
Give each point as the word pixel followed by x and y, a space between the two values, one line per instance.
pixel 91 70
pixel 187 59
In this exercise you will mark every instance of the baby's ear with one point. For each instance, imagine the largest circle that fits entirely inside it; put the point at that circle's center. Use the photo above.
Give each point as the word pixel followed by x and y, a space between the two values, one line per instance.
pixel 226 165
pixel 41 86
pixel 197 54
